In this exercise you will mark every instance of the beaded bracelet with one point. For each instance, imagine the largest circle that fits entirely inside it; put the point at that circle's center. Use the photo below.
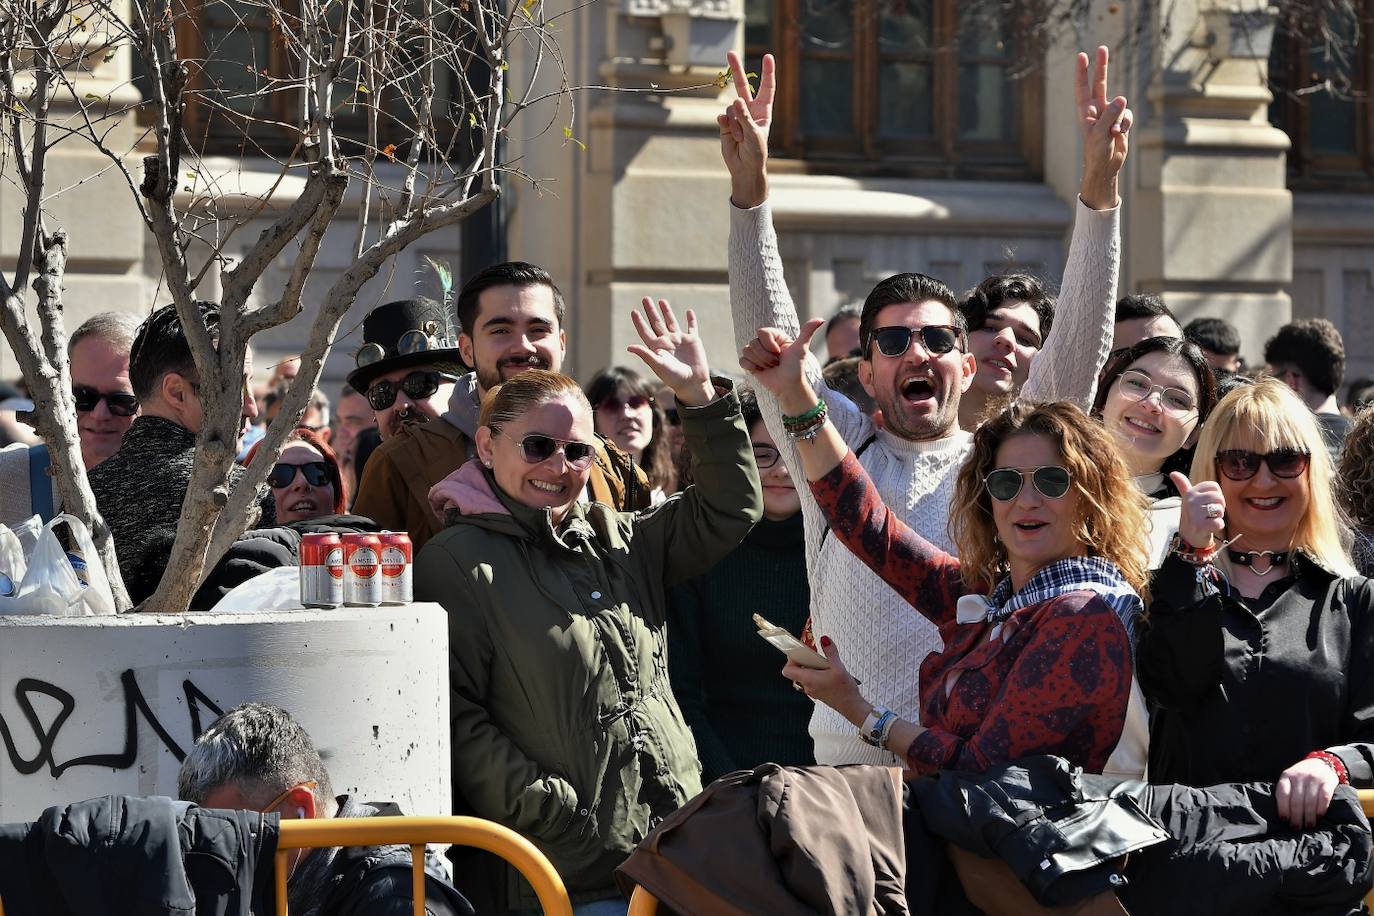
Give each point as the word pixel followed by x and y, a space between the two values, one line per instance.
pixel 1196 556
pixel 804 419
pixel 1331 760
pixel 809 432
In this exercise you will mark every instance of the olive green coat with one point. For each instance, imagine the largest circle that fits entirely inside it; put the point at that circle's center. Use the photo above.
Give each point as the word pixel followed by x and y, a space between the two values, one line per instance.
pixel 564 725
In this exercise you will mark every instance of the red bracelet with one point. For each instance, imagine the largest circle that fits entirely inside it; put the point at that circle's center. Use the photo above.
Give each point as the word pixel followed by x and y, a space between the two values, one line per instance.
pixel 1331 760
pixel 1195 556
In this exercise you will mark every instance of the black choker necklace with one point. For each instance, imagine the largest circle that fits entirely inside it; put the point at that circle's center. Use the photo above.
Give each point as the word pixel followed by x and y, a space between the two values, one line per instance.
pixel 1251 558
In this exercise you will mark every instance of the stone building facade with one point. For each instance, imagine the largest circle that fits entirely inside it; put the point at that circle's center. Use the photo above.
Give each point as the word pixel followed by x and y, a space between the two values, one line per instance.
pixel 910 140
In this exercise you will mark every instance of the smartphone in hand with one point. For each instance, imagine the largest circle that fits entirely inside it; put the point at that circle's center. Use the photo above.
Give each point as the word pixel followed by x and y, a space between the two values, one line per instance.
pixel 790 645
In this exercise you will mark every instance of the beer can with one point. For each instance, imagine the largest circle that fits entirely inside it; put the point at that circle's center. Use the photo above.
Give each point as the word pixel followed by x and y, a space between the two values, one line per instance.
pixel 321 570
pixel 362 563
pixel 397 585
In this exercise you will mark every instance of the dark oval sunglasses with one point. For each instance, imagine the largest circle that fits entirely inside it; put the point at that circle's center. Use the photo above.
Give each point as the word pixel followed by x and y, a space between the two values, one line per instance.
pixel 1005 483
pixel 1239 464
pixel 938 339
pixel 122 403
pixel 615 403
pixel 316 474
pixel 418 385
pixel 536 448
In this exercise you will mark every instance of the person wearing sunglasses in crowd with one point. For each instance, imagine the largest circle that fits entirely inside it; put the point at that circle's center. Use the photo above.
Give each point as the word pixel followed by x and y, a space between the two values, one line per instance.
pixel 741 713
pixel 564 725
pixel 627 414
pixel 1035 611
pixel 98 351
pixel 915 361
pixel 1154 397
pixel 510 318
pixel 1257 655
pixel 306 482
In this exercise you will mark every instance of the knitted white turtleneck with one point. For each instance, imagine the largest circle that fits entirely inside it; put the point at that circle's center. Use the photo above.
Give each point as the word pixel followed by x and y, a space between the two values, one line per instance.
pixel 883 639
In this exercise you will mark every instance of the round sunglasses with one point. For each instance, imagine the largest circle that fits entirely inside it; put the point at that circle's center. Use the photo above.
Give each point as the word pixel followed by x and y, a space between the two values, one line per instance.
pixel 316 473
pixel 537 448
pixel 418 385
pixel 1239 464
pixel 938 339
pixel 615 403
pixel 122 403
pixel 1004 484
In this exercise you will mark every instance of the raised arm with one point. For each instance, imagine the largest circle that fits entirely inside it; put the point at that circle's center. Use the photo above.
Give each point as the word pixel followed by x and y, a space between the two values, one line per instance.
pixel 1066 368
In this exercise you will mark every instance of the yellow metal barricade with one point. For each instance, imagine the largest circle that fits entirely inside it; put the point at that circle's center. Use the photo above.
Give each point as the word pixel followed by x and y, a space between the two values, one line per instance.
pixel 415 832
pixel 642 903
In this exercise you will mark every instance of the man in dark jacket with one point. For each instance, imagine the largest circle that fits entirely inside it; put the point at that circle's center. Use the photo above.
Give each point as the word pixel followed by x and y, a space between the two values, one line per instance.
pixel 140 488
pixel 256 757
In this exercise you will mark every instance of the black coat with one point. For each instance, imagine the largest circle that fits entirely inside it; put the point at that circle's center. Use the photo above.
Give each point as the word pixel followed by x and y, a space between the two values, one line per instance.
pixel 127 856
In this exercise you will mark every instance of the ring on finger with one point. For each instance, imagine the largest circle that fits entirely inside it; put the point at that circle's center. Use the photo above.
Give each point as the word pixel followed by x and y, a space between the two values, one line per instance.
pixel 1214 510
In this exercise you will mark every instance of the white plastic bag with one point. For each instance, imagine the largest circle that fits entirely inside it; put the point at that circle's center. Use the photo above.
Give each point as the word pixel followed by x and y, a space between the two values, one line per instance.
pixel 12 563
pixel 51 582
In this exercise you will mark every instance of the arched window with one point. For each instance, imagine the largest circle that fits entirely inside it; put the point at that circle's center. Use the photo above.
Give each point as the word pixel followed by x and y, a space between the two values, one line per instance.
pixel 932 88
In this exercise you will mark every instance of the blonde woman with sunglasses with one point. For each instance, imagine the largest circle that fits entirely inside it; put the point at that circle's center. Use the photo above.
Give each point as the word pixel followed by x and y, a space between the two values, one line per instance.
pixel 1035 612
pixel 1258 651
pixel 564 724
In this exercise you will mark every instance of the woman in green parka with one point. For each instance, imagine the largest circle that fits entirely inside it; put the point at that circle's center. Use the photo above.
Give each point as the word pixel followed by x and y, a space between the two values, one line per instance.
pixel 564 725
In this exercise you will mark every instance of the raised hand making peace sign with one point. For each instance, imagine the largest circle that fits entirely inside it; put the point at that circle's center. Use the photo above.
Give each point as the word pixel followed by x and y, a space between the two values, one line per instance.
pixel 744 134
pixel 1105 126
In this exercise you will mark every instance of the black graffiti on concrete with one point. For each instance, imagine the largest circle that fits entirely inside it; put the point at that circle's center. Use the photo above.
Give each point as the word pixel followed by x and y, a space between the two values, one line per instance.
pixel 134 705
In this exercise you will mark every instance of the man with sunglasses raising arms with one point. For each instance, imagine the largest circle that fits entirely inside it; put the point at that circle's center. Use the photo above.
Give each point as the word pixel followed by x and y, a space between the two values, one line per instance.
pixel 98 352
pixel 510 318
pixel 916 364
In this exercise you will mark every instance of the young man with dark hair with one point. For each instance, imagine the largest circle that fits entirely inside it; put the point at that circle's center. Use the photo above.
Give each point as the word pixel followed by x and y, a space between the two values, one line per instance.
pixel 1139 317
pixel 1309 356
pixel 1358 396
pixel 1218 340
pixel 1008 317
pixel 916 365
pixel 510 319
pixel 140 488
pixel 842 333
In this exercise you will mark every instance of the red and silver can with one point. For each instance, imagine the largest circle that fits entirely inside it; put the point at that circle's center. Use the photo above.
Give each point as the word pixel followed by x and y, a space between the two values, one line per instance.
pixel 396 575
pixel 321 570
pixel 362 579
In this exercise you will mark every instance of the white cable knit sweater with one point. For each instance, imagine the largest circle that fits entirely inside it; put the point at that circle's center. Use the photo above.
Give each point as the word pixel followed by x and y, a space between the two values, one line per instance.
pixel 882 639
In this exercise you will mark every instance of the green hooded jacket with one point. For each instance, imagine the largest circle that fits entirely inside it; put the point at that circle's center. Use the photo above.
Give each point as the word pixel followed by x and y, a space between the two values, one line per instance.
pixel 564 726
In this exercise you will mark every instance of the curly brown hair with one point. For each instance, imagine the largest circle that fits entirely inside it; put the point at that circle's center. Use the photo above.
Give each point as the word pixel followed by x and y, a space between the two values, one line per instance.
pixel 1355 486
pixel 1113 514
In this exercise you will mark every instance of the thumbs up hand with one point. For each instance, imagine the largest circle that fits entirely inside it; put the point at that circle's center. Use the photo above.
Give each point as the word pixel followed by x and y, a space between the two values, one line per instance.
pixel 1203 514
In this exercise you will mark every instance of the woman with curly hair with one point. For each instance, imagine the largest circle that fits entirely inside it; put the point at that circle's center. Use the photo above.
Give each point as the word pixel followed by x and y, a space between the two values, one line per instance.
pixel 1356 489
pixel 1036 610
pixel 625 412
pixel 1257 655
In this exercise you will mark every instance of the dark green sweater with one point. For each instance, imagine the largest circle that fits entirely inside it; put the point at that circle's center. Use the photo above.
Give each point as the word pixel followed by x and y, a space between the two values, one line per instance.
pixel 741 709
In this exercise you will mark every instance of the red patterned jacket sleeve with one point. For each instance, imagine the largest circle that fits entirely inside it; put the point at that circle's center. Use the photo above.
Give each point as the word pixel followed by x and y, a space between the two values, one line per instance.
pixel 923 574
pixel 1065 694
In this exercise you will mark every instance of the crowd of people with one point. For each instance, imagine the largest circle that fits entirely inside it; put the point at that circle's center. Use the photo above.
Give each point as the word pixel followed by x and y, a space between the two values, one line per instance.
pixel 1012 522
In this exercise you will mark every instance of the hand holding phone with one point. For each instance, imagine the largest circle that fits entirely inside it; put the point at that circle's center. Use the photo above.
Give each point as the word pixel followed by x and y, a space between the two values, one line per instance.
pixel 791 646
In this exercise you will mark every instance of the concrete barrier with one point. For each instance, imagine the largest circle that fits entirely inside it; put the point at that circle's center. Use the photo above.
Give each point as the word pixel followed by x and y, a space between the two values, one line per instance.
pixel 99 705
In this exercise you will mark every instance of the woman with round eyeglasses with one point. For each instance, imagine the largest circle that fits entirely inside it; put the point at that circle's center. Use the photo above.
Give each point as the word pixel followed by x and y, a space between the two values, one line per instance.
pixel 564 723
pixel 624 411
pixel 1154 398
pixel 741 713
pixel 1034 611
pixel 1257 654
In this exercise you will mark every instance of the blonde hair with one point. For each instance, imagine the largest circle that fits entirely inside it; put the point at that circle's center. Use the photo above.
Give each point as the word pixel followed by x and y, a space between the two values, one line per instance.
pixel 1113 513
pixel 1263 417
pixel 509 401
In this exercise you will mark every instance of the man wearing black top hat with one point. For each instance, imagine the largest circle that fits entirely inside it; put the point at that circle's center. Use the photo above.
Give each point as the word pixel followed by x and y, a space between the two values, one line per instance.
pixel 511 318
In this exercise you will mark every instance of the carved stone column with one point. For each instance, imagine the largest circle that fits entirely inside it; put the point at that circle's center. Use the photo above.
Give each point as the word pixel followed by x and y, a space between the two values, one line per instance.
pixel 1210 218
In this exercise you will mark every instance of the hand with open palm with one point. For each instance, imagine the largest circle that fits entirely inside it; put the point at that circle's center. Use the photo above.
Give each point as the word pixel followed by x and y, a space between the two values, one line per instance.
pixel 675 354
pixel 744 134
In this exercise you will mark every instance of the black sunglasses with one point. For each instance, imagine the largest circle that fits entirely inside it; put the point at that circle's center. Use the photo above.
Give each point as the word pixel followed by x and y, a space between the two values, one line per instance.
pixel 1239 464
pixel 122 403
pixel 418 385
pixel 938 339
pixel 614 402
pixel 537 447
pixel 281 476
pixel 1005 483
